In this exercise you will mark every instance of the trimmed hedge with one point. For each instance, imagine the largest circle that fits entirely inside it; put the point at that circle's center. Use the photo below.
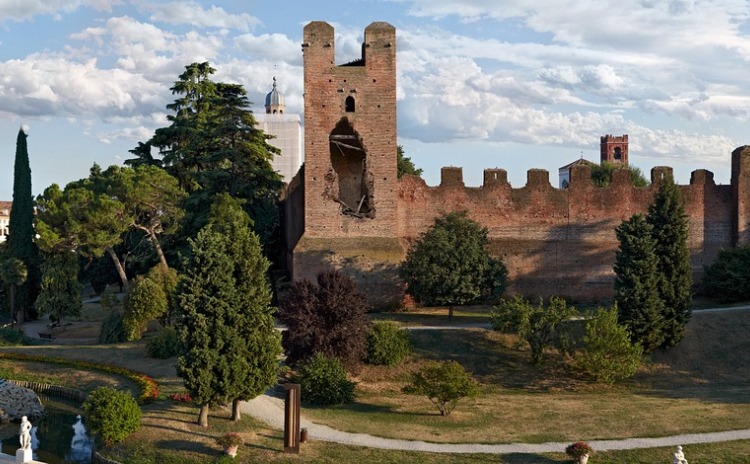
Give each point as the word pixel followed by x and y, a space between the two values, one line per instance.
pixel 324 381
pixel 112 414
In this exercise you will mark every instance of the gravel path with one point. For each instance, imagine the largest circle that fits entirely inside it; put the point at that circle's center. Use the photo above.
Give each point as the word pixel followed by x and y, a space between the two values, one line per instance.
pixel 270 410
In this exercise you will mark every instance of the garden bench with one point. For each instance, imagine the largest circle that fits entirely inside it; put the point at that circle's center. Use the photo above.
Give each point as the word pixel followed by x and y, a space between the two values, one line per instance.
pixel 46 335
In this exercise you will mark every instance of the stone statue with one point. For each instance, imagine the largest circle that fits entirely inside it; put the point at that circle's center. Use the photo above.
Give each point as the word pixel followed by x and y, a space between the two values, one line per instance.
pixel 25 433
pixel 678 456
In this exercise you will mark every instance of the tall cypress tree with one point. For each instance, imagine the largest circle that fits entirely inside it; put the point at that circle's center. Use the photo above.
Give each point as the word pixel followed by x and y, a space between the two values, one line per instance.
pixel 230 344
pixel 636 283
pixel 20 244
pixel 670 232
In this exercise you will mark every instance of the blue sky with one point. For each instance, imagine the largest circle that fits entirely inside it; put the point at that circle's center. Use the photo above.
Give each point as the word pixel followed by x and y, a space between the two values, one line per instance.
pixel 517 85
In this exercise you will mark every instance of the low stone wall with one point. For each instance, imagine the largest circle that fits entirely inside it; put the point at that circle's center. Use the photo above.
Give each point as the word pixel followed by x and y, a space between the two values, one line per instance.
pixel 17 401
pixel 55 390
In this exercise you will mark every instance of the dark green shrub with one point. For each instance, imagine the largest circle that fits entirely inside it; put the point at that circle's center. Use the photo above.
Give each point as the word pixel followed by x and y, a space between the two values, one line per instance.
pixel 387 344
pixel 728 278
pixel 324 381
pixel 112 414
pixel 112 329
pixel 144 302
pixel 443 383
pixel 164 344
pixel 10 337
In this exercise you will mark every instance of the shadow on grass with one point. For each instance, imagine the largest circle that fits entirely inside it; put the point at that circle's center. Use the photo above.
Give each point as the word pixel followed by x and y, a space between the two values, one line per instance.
pixel 365 408
pixel 709 364
pixel 186 445
pixel 519 458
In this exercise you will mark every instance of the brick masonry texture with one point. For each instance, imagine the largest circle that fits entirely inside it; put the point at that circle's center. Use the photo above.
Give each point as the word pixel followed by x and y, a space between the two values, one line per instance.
pixel 553 241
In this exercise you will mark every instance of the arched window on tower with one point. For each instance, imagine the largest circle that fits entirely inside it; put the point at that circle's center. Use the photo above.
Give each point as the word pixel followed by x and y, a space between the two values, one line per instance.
pixel 618 153
pixel 350 104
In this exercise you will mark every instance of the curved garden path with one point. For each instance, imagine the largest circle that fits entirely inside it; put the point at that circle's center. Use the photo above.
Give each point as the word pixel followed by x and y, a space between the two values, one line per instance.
pixel 270 410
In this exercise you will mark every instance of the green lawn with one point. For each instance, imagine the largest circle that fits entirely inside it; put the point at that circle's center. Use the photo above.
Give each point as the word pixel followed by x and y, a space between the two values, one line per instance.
pixel 697 387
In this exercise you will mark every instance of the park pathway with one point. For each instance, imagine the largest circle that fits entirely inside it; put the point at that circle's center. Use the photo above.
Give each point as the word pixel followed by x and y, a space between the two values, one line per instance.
pixel 270 410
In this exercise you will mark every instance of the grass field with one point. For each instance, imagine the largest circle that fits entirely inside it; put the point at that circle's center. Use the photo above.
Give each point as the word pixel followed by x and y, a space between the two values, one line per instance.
pixel 699 386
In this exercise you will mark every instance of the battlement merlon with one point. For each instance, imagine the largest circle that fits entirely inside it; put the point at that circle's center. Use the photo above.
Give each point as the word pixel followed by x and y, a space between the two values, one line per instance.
pixel 378 49
pixel 318 36
pixel 580 177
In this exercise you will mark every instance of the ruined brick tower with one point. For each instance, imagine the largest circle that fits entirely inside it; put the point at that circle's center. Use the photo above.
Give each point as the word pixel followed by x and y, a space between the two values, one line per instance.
pixel 614 149
pixel 350 179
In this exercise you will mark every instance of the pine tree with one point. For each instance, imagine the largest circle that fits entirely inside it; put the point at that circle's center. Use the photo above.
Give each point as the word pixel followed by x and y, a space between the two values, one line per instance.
pixel 609 354
pixel 636 283
pixel 667 217
pixel 230 345
pixel 20 244
pixel 212 146
pixel 60 294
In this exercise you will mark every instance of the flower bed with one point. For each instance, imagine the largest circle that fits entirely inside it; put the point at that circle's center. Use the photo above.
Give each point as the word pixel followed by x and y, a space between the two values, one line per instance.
pixel 148 386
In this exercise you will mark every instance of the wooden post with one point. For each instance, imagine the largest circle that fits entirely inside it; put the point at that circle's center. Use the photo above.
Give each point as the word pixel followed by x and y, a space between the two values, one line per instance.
pixel 291 418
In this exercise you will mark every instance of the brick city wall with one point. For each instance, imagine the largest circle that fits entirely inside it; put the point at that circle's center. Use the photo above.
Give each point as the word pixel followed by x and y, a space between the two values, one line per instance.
pixel 348 210
pixel 562 241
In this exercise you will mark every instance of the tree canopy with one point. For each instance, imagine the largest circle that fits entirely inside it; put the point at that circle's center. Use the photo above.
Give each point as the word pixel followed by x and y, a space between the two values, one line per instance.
pixel 327 317
pixel 212 146
pixel 450 264
pixel 230 344
pixel 405 165
pixel 601 174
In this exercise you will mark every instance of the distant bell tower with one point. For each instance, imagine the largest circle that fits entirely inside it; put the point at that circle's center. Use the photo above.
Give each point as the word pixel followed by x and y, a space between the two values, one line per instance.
pixel 614 149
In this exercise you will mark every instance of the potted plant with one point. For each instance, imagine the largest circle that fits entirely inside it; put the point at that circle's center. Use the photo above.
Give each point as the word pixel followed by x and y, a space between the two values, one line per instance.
pixel 579 451
pixel 230 441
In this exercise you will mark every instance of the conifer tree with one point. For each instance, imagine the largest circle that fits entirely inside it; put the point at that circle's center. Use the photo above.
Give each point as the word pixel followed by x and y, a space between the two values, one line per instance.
pixel 230 345
pixel 636 283
pixel 669 224
pixel 20 244
pixel 60 293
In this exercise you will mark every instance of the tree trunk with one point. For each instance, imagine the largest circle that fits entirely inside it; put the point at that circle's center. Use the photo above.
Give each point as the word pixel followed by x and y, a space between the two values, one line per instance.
pixel 236 410
pixel 450 313
pixel 157 248
pixel 120 267
pixel 13 315
pixel 203 415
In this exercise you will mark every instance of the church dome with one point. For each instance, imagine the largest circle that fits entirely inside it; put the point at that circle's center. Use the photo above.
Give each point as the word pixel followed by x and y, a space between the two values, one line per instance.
pixel 274 101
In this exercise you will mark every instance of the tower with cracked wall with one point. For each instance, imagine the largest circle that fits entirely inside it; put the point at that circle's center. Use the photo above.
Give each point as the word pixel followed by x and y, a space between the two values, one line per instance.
pixel 350 179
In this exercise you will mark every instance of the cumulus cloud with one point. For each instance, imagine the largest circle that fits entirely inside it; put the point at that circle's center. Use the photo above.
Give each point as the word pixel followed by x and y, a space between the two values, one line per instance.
pixel 194 14
pixel 47 85
pixel 21 10
pixel 275 47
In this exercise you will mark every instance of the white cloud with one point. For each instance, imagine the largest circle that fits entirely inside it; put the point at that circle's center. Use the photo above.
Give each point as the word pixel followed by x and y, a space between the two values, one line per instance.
pixel 596 79
pixel 21 10
pixel 47 85
pixel 274 47
pixel 195 15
